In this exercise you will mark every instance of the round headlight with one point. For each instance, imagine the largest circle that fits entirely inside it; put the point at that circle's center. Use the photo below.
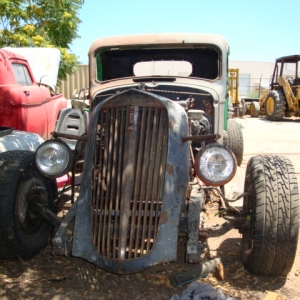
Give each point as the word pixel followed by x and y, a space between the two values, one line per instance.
pixel 215 165
pixel 53 158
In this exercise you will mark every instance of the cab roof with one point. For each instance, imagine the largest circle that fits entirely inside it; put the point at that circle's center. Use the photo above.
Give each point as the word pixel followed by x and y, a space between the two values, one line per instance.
pixel 289 58
pixel 158 39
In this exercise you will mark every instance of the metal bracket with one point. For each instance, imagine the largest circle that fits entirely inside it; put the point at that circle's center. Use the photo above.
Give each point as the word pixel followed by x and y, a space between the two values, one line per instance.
pixel 193 249
pixel 194 273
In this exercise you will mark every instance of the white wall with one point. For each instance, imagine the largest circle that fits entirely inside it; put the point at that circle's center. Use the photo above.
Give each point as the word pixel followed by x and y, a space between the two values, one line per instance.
pixel 255 71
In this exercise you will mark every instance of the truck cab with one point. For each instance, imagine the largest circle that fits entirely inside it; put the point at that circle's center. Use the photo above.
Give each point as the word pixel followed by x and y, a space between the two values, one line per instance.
pixel 28 103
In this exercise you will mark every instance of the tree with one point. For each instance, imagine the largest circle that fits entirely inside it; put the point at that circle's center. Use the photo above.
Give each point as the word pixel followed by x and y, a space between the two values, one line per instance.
pixel 41 23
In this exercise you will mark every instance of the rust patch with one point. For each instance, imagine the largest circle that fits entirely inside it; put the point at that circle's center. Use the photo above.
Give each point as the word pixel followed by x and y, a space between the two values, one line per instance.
pixel 170 168
pixel 164 216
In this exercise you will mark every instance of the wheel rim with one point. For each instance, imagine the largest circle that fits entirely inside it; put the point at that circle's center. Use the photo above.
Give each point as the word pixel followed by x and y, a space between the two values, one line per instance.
pixel 252 109
pixel 26 218
pixel 270 106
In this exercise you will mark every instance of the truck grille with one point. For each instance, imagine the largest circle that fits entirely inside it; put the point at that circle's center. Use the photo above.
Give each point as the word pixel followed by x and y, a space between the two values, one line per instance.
pixel 128 179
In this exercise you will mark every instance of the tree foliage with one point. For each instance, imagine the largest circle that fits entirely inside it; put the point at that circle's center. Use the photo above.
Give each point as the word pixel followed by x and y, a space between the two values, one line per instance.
pixel 41 23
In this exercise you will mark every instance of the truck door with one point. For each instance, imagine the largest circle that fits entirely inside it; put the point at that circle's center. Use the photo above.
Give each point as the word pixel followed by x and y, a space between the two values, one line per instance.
pixel 33 103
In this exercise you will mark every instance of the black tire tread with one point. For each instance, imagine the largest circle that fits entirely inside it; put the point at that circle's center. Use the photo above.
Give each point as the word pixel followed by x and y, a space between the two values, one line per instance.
pixel 235 141
pixel 13 166
pixel 272 182
pixel 280 105
pixel 254 109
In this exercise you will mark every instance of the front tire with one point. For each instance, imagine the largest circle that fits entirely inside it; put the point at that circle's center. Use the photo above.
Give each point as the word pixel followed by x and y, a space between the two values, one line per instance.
pixel 272 205
pixel 23 232
pixel 254 109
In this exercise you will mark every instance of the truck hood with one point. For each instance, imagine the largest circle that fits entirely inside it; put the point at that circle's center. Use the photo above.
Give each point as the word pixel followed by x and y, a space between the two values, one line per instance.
pixel 44 63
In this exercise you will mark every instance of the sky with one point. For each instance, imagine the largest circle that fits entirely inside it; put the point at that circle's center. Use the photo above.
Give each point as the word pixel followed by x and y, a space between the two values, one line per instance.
pixel 256 30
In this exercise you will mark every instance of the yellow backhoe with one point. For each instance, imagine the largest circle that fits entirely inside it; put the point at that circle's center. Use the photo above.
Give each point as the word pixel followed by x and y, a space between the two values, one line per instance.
pixel 282 99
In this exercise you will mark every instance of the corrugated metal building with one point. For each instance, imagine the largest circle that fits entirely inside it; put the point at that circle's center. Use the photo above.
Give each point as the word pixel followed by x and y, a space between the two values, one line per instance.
pixel 78 80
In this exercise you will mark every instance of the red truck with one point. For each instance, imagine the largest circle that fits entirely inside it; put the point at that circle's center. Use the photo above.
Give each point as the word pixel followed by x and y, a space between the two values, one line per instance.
pixel 28 102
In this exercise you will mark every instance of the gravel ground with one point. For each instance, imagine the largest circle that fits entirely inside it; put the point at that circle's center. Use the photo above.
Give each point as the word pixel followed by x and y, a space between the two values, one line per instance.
pixel 48 277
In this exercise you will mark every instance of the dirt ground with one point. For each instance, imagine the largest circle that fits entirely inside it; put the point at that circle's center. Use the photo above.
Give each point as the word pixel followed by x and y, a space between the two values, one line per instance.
pixel 68 278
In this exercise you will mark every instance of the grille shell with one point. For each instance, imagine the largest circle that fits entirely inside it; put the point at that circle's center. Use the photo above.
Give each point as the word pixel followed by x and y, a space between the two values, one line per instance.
pixel 128 177
pixel 163 248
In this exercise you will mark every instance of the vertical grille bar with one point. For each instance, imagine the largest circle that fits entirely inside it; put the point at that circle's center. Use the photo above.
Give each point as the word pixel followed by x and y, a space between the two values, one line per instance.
pixel 119 150
pixel 143 187
pixel 106 180
pixel 111 189
pixel 128 179
pixel 158 150
pixel 162 150
pixel 136 206
pixel 149 181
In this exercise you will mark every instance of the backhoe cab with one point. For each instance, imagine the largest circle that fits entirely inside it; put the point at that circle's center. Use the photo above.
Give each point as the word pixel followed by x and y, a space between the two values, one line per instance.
pixel 282 99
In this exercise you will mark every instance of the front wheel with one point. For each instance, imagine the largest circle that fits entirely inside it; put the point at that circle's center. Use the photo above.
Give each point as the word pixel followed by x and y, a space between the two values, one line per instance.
pixel 271 203
pixel 23 232
pixel 254 109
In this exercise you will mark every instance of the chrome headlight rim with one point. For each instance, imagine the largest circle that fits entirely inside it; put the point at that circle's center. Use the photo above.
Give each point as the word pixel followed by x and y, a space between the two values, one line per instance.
pixel 224 152
pixel 55 170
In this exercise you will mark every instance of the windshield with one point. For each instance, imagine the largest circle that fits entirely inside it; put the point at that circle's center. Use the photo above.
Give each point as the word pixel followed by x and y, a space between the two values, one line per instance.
pixel 291 70
pixel 287 69
pixel 197 62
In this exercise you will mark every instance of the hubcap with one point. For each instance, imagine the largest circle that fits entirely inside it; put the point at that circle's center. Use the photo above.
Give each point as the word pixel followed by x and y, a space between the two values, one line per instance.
pixel 270 106
pixel 252 109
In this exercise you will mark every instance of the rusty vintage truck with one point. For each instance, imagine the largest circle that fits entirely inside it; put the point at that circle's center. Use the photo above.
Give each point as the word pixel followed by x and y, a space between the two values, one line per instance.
pixel 153 149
